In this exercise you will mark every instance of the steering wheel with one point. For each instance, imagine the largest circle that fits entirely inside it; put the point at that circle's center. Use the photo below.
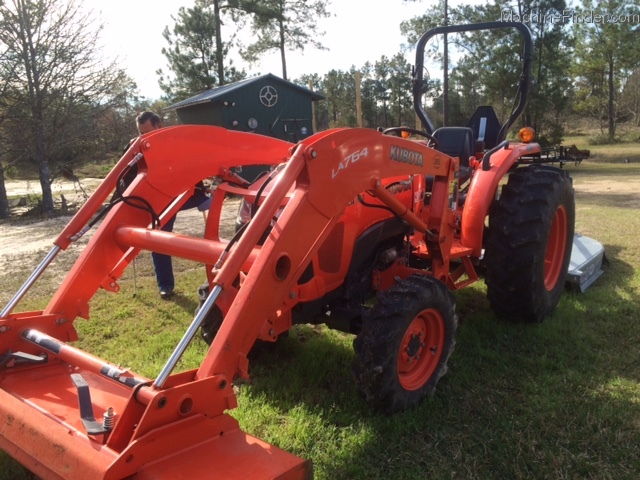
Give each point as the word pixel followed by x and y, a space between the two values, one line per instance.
pixel 433 141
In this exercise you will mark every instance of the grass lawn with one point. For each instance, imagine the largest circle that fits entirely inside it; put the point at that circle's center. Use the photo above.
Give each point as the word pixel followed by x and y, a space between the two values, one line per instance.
pixel 558 400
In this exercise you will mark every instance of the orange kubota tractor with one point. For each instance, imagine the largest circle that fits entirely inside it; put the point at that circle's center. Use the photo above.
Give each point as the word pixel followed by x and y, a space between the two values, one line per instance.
pixel 345 216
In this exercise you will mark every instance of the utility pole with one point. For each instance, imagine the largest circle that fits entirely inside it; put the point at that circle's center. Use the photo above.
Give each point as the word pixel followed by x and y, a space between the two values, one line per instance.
pixel 314 122
pixel 358 80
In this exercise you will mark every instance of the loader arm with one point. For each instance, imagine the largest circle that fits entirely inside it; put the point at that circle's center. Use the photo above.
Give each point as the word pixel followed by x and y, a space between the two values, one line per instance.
pixel 176 426
pixel 173 161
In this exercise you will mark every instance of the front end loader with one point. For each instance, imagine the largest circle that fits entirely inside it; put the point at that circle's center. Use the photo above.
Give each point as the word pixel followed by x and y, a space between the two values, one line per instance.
pixel 345 217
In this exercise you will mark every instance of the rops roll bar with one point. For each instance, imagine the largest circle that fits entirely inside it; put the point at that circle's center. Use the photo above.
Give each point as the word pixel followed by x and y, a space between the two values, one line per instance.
pixel 525 76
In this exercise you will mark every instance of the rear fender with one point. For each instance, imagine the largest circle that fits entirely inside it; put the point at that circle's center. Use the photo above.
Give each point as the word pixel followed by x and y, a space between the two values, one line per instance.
pixel 482 192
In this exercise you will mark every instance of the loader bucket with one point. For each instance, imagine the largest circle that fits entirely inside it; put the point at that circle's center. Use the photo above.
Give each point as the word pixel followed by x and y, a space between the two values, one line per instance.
pixel 42 428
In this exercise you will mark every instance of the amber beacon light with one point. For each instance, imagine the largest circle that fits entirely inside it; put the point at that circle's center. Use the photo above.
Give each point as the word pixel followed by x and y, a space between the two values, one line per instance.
pixel 526 134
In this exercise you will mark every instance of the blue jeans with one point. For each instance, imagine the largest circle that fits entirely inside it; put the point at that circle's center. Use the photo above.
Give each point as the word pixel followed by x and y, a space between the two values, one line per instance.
pixel 162 263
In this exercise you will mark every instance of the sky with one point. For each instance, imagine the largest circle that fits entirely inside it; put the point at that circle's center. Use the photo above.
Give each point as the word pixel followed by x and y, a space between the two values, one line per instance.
pixel 359 31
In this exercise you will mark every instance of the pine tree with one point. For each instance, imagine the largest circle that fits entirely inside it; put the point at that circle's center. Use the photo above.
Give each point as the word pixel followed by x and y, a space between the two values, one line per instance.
pixel 193 56
pixel 606 55
pixel 283 25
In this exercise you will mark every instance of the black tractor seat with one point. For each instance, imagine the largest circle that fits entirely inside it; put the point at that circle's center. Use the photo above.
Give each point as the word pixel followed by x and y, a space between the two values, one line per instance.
pixel 457 142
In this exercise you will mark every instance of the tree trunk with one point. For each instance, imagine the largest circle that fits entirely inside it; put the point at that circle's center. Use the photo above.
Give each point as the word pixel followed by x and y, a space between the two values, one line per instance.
pixel 45 184
pixel 44 173
pixel 4 201
pixel 282 56
pixel 358 80
pixel 386 119
pixel 535 121
pixel 219 58
pixel 445 68
pixel 611 109
pixel 400 107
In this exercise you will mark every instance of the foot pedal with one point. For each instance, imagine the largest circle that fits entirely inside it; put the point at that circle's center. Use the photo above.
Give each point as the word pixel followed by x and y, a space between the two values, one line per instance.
pixel 92 426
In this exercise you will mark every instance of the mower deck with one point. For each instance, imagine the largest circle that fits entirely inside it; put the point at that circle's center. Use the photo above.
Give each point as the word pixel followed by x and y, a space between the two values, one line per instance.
pixel 585 267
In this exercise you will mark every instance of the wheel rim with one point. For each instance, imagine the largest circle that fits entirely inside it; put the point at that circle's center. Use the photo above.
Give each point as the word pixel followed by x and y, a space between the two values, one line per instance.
pixel 421 349
pixel 554 256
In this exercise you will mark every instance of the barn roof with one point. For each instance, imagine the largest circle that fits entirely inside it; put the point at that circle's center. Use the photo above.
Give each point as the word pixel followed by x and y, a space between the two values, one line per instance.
pixel 218 92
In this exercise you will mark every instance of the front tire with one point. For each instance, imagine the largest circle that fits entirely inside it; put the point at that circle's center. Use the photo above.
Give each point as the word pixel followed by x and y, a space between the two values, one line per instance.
pixel 405 343
pixel 212 322
pixel 529 243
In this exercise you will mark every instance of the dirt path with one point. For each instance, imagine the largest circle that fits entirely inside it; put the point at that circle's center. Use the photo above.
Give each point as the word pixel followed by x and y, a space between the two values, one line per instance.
pixel 629 186
pixel 25 242
pixel 24 245
pixel 72 191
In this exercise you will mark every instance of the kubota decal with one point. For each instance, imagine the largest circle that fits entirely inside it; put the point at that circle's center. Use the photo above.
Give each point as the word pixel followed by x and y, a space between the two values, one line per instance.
pixel 349 160
pixel 405 155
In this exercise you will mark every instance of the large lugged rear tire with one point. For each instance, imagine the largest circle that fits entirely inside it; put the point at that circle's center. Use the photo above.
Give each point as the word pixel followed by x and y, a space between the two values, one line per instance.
pixel 405 343
pixel 529 243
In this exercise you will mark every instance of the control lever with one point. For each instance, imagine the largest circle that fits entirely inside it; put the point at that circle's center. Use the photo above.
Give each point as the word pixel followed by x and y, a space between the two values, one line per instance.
pixel 93 426
pixel 12 359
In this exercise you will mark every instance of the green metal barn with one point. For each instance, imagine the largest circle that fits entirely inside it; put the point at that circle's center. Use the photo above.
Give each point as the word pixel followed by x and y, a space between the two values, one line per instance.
pixel 267 105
